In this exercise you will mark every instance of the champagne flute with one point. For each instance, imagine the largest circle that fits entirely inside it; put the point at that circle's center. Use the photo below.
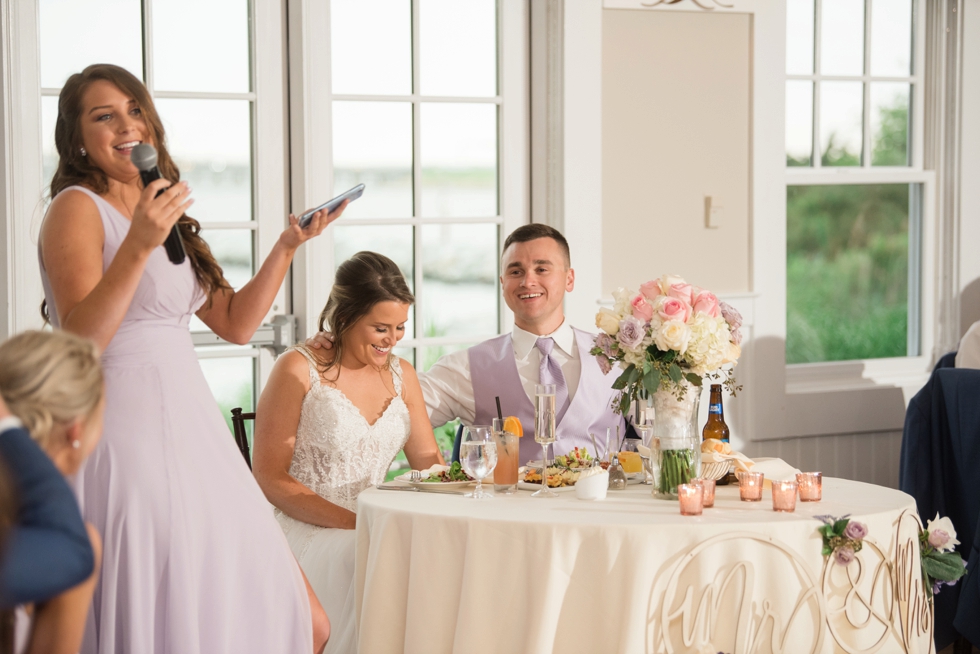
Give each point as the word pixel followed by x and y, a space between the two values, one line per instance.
pixel 478 456
pixel 544 431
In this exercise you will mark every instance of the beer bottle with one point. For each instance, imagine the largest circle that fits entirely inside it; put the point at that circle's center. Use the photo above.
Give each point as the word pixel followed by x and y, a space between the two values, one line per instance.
pixel 716 427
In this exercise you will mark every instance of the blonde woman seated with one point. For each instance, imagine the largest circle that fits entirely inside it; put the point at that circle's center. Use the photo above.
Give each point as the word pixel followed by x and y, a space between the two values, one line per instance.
pixel 52 383
pixel 330 422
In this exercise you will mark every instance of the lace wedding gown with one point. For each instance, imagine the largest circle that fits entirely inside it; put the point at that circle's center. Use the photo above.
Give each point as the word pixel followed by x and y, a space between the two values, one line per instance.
pixel 337 455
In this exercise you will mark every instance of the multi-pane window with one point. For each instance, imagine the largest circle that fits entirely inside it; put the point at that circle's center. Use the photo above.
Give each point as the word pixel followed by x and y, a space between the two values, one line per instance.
pixel 416 115
pixel 207 112
pixel 852 240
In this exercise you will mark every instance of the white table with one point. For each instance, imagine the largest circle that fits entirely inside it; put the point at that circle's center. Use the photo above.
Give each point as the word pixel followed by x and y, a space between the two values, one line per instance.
pixel 443 573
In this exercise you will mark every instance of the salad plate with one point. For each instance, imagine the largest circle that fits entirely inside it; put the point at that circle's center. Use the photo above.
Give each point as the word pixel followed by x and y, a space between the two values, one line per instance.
pixel 440 476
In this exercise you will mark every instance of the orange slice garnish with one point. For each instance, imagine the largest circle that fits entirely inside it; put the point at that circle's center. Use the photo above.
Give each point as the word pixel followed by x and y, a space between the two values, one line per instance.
pixel 513 425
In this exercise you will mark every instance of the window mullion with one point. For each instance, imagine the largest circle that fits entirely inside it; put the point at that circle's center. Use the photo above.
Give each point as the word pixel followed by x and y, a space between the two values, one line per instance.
pixel 148 45
pixel 417 177
pixel 866 114
pixel 816 159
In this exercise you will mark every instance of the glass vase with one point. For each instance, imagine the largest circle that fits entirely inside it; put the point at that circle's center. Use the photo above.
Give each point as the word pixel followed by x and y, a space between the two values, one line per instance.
pixel 676 429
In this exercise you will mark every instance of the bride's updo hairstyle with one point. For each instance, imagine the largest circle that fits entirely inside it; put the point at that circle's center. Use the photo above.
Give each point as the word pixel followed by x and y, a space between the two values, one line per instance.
pixel 75 169
pixel 361 282
pixel 49 378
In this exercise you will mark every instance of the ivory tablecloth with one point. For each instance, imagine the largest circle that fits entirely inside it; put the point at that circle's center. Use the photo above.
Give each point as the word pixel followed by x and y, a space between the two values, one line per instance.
pixel 442 573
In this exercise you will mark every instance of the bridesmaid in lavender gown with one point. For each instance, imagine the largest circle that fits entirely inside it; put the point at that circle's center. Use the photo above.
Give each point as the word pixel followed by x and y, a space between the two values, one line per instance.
pixel 194 562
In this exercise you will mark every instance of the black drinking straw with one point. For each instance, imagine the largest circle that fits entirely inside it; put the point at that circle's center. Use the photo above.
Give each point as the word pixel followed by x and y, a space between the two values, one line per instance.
pixel 499 414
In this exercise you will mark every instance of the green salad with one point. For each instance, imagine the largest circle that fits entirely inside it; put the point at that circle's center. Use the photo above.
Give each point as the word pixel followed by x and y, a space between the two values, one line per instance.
pixel 455 473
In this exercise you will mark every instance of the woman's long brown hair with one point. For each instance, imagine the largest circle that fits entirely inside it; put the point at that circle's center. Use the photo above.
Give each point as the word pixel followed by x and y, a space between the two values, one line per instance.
pixel 74 169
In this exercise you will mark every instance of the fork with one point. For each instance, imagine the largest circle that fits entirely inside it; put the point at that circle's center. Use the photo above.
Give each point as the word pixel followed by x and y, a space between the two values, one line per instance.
pixel 416 476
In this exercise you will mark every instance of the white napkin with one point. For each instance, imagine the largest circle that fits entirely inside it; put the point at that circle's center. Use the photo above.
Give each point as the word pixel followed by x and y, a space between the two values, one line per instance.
pixel 775 470
pixel 742 462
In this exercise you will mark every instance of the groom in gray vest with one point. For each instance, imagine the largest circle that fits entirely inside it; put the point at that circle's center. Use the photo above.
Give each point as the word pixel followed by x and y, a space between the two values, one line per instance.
pixel 543 348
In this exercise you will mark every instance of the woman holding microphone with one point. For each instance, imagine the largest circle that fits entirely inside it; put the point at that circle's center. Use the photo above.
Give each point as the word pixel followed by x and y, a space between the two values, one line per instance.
pixel 193 560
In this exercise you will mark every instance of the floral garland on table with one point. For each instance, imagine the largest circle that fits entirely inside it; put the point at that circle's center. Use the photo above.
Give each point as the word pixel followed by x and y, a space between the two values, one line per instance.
pixel 842 537
pixel 667 333
pixel 941 565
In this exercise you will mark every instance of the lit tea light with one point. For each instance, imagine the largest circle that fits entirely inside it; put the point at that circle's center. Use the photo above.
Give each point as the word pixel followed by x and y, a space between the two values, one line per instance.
pixel 811 486
pixel 691 497
pixel 707 491
pixel 784 496
pixel 750 486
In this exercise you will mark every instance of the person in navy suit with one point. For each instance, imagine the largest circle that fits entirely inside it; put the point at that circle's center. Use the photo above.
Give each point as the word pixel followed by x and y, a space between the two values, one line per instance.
pixel 51 405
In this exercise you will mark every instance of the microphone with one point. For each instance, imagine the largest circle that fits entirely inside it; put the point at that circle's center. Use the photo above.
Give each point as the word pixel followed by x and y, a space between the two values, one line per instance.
pixel 144 157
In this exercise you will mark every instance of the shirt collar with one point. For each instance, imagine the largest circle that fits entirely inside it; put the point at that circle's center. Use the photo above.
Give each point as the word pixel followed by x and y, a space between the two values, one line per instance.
pixel 525 341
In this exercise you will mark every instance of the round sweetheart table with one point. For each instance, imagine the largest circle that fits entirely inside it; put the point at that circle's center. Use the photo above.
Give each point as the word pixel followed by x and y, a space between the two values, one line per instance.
pixel 445 573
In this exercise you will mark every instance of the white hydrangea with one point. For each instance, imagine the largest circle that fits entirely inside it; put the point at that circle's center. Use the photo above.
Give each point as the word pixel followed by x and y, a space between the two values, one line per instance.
pixel 708 345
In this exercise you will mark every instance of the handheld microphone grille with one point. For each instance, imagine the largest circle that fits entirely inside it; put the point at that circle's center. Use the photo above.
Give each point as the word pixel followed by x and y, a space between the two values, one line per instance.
pixel 144 156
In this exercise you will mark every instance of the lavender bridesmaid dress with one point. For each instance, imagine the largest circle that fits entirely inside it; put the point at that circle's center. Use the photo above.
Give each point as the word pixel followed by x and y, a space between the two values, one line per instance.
pixel 193 559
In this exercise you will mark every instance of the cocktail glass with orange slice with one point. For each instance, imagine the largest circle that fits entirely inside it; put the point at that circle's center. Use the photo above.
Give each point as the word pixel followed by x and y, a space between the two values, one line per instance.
pixel 507 433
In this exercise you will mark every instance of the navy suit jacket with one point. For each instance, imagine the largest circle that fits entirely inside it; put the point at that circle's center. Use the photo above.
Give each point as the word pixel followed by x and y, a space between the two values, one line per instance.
pixel 940 468
pixel 48 549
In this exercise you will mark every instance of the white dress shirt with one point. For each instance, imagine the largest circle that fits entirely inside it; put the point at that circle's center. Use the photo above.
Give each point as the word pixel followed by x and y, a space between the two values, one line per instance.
pixel 10 422
pixel 448 390
pixel 968 354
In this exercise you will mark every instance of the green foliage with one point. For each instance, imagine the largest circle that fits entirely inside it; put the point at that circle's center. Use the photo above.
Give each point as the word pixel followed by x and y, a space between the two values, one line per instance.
pixel 945 566
pixel 891 143
pixel 847 272
pixel 847 258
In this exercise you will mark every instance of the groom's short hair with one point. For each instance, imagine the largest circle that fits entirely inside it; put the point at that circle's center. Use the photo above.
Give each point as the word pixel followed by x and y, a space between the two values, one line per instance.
pixel 534 231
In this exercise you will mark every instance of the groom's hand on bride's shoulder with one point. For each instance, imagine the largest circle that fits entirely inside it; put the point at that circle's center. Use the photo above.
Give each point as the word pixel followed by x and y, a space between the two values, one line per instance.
pixel 320 340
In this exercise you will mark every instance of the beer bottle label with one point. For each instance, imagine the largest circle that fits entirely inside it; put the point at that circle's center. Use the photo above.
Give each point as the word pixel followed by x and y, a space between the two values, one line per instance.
pixel 714 408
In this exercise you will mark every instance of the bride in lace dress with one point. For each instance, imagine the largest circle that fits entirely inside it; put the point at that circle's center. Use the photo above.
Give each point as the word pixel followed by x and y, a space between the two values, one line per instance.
pixel 327 428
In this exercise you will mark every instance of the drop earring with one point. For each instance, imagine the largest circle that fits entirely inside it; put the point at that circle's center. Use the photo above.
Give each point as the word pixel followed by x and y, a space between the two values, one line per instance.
pixel 84 153
pixel 76 443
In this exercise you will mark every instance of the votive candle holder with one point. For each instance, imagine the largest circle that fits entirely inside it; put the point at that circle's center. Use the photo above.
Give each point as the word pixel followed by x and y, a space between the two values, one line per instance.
pixel 784 496
pixel 707 491
pixel 691 497
pixel 810 486
pixel 750 486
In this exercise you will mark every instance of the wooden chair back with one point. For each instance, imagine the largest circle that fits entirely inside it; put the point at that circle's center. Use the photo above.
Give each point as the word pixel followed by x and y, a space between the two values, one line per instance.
pixel 241 436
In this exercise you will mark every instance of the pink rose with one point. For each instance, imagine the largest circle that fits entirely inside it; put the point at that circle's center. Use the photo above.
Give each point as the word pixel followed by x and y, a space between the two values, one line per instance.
pixel 650 290
pixel 938 538
pixel 673 309
pixel 681 292
pixel 605 365
pixel 707 303
pixel 843 555
pixel 641 309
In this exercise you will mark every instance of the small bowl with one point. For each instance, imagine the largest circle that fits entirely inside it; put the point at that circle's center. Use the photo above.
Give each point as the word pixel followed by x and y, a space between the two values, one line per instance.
pixel 593 487
pixel 715 470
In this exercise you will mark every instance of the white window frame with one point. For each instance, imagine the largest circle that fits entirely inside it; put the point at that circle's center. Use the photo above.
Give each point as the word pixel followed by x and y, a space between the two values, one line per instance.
pixel 311 102
pixel 23 186
pixel 859 390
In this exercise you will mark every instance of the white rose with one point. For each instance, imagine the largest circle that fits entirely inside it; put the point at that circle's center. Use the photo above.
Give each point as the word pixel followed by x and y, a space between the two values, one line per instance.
pixel 673 335
pixel 607 321
pixel 733 353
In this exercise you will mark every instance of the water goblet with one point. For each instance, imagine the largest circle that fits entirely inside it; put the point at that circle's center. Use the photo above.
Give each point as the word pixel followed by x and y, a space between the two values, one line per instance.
pixel 478 456
pixel 544 431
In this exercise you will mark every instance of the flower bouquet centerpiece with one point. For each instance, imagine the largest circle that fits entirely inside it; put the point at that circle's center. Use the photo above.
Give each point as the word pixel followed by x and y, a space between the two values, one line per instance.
pixel 666 339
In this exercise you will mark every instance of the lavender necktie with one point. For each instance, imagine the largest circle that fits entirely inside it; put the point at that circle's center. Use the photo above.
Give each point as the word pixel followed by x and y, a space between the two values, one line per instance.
pixel 550 373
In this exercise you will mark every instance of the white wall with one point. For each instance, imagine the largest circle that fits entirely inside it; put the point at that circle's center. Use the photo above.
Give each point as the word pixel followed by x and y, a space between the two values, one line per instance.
pixel 970 169
pixel 676 128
